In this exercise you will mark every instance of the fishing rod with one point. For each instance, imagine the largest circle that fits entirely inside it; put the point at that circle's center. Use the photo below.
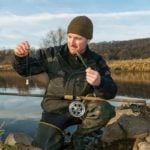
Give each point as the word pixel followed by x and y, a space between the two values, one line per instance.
pixel 77 107
pixel 71 97
pixel 93 98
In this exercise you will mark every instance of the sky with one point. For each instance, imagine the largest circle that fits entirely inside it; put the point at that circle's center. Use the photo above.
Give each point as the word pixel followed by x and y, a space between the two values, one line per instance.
pixel 31 20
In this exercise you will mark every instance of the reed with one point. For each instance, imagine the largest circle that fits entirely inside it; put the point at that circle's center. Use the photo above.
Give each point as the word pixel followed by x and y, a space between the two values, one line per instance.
pixel 134 65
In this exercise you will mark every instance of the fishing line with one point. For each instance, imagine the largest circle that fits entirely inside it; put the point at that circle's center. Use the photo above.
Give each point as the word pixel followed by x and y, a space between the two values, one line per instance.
pixel 27 69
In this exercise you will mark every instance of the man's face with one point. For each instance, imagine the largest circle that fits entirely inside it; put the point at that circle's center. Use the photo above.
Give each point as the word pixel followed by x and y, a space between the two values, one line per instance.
pixel 76 43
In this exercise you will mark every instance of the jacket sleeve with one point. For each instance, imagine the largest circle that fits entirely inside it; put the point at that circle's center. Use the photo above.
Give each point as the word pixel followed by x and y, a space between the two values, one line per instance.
pixel 32 64
pixel 107 88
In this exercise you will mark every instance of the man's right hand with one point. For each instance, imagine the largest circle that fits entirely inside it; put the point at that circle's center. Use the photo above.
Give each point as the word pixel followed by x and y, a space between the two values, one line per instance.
pixel 22 49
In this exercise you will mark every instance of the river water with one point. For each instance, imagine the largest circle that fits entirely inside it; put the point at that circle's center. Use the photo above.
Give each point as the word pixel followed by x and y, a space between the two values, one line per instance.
pixel 22 114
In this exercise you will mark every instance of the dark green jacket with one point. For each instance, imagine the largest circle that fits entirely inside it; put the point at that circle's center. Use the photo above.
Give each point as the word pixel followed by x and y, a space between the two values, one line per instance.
pixel 67 73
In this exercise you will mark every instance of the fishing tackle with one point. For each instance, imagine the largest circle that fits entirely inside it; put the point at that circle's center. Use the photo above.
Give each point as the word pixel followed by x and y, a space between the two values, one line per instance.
pixel 77 108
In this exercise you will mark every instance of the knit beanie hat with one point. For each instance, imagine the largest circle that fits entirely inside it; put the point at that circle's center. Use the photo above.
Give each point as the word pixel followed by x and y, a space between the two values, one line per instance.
pixel 81 25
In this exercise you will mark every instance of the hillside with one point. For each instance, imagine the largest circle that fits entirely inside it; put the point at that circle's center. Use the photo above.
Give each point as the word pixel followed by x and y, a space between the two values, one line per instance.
pixel 118 50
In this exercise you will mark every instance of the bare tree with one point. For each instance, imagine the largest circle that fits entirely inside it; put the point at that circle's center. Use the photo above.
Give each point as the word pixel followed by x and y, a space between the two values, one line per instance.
pixel 54 38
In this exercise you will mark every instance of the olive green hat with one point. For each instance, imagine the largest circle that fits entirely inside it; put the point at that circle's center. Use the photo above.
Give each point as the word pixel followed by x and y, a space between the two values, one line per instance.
pixel 81 25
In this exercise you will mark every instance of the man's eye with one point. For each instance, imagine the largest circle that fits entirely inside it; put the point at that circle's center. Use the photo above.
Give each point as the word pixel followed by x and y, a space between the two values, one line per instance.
pixel 78 39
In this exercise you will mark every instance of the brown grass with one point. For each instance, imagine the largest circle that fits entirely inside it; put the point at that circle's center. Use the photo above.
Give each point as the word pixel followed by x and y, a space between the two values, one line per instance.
pixel 134 65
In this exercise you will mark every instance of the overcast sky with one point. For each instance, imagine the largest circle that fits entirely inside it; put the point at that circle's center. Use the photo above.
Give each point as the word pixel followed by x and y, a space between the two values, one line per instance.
pixel 113 19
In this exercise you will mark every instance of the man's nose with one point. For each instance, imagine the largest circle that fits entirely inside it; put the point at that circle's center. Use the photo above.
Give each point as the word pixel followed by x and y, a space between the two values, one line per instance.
pixel 72 41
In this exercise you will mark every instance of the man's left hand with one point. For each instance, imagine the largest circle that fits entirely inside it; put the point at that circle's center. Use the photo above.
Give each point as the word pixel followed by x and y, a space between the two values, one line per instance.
pixel 93 77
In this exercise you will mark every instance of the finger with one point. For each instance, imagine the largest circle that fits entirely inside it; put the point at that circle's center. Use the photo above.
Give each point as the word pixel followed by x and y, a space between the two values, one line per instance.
pixel 20 50
pixel 90 71
pixel 93 82
pixel 26 45
pixel 89 78
pixel 93 79
pixel 24 48
pixel 92 74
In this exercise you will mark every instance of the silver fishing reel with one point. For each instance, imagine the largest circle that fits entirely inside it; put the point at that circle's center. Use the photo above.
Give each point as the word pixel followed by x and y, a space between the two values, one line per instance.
pixel 77 109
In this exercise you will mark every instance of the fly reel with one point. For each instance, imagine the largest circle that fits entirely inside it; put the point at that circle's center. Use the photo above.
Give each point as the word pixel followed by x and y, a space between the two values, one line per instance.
pixel 77 108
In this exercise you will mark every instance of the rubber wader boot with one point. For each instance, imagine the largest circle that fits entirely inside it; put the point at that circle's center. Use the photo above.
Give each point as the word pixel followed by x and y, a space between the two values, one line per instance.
pixel 48 137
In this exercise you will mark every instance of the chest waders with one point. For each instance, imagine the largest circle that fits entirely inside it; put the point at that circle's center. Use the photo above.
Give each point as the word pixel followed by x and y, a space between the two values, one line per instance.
pixel 56 117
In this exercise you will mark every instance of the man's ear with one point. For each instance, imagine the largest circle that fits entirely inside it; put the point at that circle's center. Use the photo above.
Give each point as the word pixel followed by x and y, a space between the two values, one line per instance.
pixel 89 41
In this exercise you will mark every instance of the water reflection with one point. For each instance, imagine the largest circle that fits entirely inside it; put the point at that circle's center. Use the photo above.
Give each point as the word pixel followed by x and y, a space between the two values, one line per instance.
pixel 13 80
pixel 133 84
pixel 17 113
pixel 20 107
pixel 129 84
pixel 21 114
pixel 136 85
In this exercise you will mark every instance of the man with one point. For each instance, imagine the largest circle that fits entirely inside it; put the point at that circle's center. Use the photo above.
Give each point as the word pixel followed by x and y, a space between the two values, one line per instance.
pixel 68 76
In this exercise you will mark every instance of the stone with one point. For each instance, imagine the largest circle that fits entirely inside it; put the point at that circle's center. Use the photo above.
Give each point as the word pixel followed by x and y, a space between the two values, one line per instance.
pixel 20 141
pixel 144 146
pixel 113 128
pixel 134 126
pixel 127 125
pixel 112 133
pixel 148 138
pixel 18 138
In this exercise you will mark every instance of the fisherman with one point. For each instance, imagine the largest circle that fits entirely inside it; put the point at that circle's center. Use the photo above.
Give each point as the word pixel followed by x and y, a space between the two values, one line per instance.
pixel 69 74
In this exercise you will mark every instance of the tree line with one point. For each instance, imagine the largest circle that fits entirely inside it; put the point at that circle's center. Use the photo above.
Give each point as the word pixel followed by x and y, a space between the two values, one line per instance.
pixel 113 50
pixel 123 50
